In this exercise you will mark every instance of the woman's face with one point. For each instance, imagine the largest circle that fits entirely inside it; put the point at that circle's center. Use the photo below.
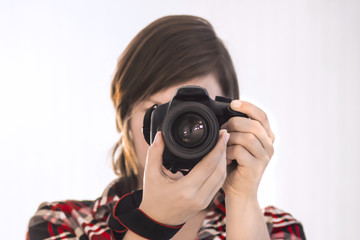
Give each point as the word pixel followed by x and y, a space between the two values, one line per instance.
pixel 136 121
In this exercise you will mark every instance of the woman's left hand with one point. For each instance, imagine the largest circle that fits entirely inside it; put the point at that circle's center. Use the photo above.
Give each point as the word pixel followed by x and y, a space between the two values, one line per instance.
pixel 251 145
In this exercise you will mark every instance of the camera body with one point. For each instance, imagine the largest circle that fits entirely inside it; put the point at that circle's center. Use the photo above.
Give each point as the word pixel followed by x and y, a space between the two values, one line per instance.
pixel 190 125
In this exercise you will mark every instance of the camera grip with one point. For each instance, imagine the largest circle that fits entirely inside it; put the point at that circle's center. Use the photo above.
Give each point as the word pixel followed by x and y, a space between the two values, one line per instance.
pixel 229 113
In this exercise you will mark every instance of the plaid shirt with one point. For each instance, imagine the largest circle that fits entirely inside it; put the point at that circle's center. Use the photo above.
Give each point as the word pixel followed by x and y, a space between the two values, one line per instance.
pixel 87 220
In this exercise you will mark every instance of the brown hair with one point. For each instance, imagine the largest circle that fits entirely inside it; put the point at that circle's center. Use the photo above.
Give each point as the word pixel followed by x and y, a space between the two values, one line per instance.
pixel 169 51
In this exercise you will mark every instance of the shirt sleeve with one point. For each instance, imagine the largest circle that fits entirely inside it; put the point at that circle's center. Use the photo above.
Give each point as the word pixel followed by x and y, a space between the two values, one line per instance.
pixel 49 223
pixel 283 225
pixel 69 220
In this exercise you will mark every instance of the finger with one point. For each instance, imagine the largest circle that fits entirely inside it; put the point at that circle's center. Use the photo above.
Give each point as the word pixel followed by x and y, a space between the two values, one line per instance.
pixel 215 190
pixel 153 163
pixel 239 124
pixel 240 154
pixel 250 142
pixel 238 127
pixel 207 165
pixel 253 112
pixel 213 183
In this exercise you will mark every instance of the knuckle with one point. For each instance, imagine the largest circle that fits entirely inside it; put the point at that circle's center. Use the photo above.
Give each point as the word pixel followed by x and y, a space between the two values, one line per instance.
pixel 257 126
pixel 197 204
pixel 270 147
pixel 251 137
pixel 206 203
pixel 264 116
pixel 272 150
pixel 233 123
pixel 200 205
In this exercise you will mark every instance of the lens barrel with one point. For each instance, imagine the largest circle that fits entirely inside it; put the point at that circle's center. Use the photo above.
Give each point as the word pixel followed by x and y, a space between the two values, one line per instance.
pixel 190 130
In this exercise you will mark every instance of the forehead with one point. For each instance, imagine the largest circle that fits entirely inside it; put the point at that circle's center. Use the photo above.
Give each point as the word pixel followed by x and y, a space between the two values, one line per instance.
pixel 209 82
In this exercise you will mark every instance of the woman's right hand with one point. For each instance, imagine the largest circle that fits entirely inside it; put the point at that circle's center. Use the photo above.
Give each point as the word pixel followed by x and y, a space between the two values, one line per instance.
pixel 173 202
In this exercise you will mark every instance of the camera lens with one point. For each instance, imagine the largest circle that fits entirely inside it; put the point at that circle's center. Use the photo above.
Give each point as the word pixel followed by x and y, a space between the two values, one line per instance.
pixel 189 130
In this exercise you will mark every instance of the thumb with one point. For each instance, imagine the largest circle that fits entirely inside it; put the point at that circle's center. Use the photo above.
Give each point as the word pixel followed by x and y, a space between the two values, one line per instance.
pixel 154 155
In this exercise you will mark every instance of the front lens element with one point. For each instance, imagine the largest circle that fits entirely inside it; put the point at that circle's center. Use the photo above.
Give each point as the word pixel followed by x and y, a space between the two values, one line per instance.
pixel 189 130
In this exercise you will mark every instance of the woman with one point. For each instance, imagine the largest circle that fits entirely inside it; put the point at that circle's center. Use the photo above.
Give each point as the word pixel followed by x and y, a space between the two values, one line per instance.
pixel 169 53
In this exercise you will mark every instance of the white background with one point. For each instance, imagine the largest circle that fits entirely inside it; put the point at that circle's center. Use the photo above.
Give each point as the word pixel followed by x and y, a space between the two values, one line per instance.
pixel 297 60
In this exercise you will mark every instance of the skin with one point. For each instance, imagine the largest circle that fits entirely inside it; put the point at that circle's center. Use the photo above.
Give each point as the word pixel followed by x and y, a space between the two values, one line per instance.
pixel 173 199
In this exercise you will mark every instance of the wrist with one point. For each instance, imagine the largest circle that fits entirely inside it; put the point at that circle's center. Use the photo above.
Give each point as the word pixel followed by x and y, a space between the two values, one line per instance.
pixel 244 218
pixel 127 216
pixel 246 190
pixel 155 217
pixel 231 200
pixel 247 196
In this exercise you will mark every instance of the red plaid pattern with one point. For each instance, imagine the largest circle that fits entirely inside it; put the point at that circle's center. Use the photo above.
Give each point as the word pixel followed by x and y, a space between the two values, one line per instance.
pixel 87 220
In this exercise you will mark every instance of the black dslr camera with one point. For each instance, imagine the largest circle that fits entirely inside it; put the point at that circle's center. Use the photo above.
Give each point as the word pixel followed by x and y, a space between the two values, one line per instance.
pixel 190 125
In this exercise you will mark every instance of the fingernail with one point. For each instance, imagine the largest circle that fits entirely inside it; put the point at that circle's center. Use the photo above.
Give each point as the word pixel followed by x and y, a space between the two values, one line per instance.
pixel 157 138
pixel 236 103
pixel 226 137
